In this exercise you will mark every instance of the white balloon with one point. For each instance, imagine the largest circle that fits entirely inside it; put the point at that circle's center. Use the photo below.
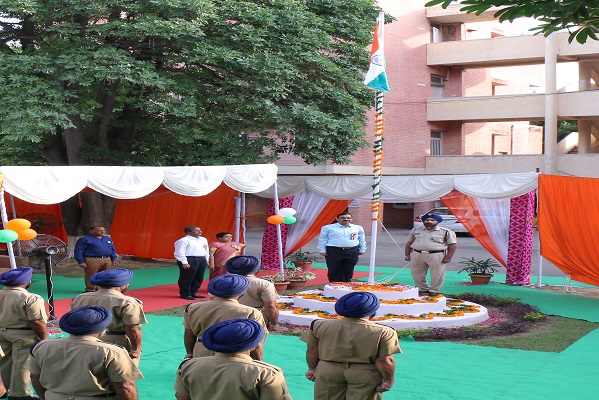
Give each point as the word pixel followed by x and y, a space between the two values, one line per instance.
pixel 286 212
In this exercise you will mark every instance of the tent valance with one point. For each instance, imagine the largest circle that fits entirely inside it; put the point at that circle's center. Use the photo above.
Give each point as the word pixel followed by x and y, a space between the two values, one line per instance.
pixel 413 188
pixel 51 185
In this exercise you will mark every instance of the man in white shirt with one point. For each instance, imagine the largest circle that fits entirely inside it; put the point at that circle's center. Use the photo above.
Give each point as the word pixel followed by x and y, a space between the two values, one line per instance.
pixel 192 254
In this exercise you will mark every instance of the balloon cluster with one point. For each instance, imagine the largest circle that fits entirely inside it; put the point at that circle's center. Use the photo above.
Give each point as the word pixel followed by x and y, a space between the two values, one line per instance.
pixel 17 228
pixel 285 216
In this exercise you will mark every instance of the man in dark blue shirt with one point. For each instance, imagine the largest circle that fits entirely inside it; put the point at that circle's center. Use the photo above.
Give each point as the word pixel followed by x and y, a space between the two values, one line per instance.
pixel 95 252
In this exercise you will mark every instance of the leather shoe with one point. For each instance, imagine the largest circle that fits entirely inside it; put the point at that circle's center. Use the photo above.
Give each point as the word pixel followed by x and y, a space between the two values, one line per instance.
pixel 197 296
pixel 188 297
pixel 422 293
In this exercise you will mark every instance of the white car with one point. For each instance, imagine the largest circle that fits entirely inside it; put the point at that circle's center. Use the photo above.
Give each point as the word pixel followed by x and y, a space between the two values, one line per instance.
pixel 450 221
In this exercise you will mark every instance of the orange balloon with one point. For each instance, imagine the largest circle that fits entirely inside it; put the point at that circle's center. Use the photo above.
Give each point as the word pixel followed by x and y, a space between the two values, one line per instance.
pixel 275 219
pixel 18 224
pixel 27 234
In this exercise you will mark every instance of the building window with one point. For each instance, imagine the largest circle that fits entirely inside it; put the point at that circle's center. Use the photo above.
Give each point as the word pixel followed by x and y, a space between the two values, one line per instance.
pixel 436 141
pixel 437 83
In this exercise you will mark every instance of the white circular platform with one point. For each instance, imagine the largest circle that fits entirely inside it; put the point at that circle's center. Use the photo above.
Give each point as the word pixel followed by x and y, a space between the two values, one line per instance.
pixel 410 306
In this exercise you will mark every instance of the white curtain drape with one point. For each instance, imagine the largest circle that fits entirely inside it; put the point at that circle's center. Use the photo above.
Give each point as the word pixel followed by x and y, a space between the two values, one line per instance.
pixel 308 206
pixel 406 189
pixel 495 214
pixel 51 185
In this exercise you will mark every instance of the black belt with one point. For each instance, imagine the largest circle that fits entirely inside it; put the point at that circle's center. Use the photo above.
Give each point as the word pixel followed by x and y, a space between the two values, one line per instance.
pixel 114 333
pixel 17 329
pixel 429 251
pixel 104 395
pixel 343 248
pixel 195 256
pixel 96 256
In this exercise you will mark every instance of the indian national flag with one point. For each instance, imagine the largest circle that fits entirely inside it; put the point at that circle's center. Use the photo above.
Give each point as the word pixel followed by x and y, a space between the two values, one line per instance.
pixel 376 77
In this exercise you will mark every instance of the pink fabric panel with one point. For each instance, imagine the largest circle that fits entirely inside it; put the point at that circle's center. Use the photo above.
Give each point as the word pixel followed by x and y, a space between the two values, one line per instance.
pixel 522 211
pixel 270 249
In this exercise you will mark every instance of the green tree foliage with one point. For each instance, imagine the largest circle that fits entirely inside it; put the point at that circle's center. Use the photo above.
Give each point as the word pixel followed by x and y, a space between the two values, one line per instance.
pixel 182 82
pixel 580 18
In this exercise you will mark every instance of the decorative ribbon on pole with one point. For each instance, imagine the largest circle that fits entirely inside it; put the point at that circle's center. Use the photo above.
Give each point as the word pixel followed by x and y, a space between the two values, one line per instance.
pixel 376 78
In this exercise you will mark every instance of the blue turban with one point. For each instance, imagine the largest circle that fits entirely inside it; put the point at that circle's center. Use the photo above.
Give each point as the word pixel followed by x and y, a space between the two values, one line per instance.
pixel 228 285
pixel 357 305
pixel 85 320
pixel 436 217
pixel 233 335
pixel 16 277
pixel 243 265
pixel 112 277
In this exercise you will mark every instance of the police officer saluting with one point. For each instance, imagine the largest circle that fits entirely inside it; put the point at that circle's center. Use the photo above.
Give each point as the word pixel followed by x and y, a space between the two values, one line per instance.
pixel 81 366
pixel 260 294
pixel 231 374
pixel 22 324
pixel 127 312
pixel 351 357
pixel 225 290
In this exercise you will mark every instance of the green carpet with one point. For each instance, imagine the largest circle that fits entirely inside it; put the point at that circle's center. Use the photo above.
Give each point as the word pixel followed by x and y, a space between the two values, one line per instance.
pixel 425 371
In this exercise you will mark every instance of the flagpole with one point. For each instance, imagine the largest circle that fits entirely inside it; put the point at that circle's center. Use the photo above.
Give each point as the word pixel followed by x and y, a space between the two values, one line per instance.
pixel 376 202
pixel 376 78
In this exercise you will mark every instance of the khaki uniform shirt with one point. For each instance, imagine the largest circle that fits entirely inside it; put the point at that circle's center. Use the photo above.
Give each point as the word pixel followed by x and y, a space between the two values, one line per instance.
pixel 200 316
pixel 232 376
pixel 81 365
pixel 258 291
pixel 17 306
pixel 351 340
pixel 126 310
pixel 436 239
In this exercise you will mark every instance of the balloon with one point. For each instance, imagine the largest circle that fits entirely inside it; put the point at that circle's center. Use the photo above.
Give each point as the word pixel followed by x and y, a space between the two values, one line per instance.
pixel 18 224
pixel 286 212
pixel 275 219
pixel 27 234
pixel 7 236
pixel 289 220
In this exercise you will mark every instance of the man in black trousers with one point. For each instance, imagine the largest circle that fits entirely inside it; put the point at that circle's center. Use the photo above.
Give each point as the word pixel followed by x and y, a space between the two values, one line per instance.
pixel 192 254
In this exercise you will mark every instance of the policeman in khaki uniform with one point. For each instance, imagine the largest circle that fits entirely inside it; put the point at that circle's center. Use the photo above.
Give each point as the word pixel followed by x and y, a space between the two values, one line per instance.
pixel 351 358
pixel 230 374
pixel 127 312
pixel 224 290
pixel 260 294
pixel 430 248
pixel 22 324
pixel 81 366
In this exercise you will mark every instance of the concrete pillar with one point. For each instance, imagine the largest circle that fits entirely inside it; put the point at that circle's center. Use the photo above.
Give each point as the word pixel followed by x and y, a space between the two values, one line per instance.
pixel 550 159
pixel 584 136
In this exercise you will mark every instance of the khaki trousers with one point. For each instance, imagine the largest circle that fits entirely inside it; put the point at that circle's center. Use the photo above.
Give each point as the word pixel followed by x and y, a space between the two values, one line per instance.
pixel 13 366
pixel 346 381
pixel 95 265
pixel 421 264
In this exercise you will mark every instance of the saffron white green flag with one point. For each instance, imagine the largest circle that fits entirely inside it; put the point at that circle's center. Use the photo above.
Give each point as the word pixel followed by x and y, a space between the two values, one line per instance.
pixel 376 77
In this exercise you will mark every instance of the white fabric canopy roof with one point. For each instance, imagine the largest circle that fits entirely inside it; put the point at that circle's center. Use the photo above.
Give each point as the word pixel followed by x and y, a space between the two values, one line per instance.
pixel 51 185
pixel 406 189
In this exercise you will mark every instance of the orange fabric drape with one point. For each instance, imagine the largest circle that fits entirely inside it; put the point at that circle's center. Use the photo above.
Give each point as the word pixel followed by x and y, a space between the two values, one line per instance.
pixel 148 227
pixel 22 208
pixel 568 221
pixel 464 208
pixel 326 216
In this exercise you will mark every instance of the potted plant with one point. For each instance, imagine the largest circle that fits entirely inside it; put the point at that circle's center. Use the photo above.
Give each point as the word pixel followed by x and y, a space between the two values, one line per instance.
pixel 279 280
pixel 302 259
pixel 480 271
pixel 298 277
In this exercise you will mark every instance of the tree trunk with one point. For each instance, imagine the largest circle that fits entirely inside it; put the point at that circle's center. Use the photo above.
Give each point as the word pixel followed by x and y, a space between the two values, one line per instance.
pixel 85 210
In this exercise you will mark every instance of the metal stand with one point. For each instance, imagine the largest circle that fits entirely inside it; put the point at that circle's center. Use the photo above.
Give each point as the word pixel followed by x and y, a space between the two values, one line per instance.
pixel 50 286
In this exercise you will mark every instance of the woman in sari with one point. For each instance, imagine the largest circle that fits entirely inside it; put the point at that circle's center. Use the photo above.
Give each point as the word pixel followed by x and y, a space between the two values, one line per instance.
pixel 221 251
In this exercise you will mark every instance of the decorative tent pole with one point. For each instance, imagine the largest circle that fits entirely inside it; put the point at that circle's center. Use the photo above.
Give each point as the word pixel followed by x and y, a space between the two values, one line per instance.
pixel 376 78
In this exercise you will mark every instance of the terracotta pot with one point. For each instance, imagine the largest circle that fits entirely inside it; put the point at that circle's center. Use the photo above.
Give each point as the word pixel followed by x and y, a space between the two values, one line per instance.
pixel 303 265
pixel 280 286
pixel 296 284
pixel 480 279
